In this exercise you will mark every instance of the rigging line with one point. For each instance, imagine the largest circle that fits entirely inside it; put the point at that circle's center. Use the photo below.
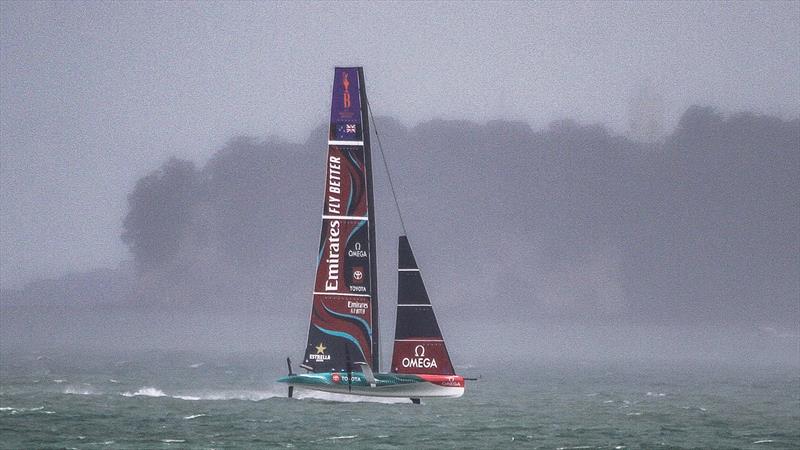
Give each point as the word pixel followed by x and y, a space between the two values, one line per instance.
pixel 386 166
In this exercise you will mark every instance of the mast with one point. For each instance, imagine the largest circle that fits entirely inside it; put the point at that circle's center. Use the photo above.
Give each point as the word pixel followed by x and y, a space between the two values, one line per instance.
pixel 373 269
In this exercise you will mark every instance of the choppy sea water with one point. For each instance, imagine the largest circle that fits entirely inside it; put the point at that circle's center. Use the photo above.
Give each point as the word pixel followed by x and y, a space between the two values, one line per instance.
pixel 180 400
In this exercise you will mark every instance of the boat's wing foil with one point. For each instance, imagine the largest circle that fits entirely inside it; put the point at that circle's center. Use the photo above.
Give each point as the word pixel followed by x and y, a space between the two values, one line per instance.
pixel 370 377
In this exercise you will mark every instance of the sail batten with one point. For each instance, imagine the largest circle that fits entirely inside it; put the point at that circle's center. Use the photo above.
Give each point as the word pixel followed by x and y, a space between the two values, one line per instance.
pixel 345 142
pixel 341 294
pixel 358 218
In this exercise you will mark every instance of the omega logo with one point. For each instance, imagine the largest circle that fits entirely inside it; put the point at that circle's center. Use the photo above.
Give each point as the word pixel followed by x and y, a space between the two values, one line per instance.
pixel 419 360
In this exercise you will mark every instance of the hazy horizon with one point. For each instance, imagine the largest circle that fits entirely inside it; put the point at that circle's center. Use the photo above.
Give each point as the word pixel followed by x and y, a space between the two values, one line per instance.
pixel 618 178
pixel 600 247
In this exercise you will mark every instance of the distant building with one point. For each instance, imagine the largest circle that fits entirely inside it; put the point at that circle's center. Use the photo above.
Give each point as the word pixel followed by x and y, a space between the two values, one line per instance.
pixel 646 114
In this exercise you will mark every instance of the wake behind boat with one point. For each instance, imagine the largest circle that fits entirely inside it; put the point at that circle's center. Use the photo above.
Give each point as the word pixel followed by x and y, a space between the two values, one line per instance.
pixel 342 354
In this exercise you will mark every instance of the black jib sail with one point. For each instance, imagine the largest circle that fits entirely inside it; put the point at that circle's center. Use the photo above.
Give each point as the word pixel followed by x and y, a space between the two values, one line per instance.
pixel 418 343
pixel 344 318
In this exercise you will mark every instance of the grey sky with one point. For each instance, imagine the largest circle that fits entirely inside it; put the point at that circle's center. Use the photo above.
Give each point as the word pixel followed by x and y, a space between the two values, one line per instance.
pixel 95 95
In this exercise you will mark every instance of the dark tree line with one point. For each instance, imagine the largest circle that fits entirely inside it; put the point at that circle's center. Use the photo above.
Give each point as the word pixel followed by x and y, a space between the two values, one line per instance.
pixel 701 226
pixel 159 213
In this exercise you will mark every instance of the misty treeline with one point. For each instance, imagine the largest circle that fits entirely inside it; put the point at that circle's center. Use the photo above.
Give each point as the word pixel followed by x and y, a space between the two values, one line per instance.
pixel 572 221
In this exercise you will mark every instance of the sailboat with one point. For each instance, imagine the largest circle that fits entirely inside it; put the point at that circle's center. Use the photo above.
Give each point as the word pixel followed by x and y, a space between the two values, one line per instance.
pixel 342 354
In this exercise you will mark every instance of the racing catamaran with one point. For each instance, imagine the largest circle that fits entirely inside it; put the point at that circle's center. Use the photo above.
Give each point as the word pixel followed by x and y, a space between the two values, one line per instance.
pixel 343 354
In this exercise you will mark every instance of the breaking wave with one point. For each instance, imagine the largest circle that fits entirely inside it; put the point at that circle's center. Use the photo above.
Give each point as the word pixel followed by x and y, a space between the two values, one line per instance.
pixel 14 411
pixel 204 395
pixel 145 392
pixel 72 390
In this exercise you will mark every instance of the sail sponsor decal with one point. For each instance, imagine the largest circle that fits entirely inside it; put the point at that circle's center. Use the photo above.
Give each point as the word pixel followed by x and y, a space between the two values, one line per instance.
pixel 343 324
pixel 421 356
pixel 346 106
pixel 345 187
pixel 320 355
pixel 358 307
pixel 357 252
pixel 358 275
pixel 342 267
pixel 419 359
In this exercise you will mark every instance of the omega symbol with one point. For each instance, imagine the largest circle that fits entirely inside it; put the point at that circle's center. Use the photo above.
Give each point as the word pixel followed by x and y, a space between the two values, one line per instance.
pixel 419 351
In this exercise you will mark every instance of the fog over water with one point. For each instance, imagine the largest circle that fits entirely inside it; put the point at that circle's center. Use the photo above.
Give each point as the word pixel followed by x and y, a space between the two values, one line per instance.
pixel 592 180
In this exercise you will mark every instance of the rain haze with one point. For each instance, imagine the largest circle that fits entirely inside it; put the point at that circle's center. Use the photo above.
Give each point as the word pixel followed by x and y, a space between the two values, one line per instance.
pixel 605 180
